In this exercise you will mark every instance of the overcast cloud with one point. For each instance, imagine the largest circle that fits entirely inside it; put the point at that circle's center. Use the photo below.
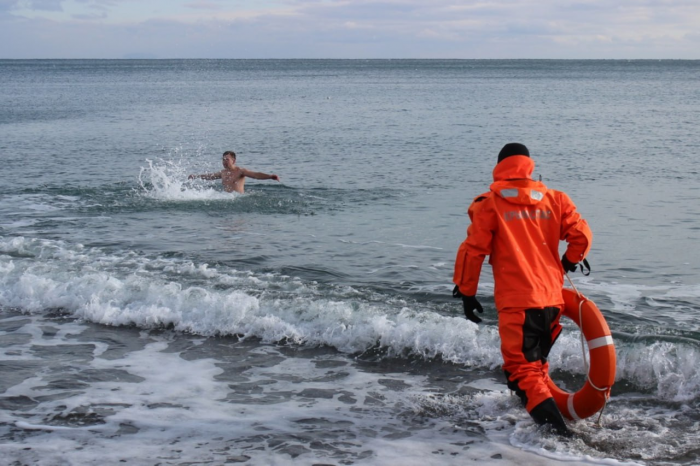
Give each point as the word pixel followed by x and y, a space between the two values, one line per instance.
pixel 350 29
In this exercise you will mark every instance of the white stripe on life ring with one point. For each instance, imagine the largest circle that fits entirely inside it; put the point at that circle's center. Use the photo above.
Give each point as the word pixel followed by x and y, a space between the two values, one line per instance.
pixel 598 342
pixel 570 405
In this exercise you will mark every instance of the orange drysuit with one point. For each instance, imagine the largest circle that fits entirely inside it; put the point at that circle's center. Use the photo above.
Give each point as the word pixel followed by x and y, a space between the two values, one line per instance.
pixel 519 224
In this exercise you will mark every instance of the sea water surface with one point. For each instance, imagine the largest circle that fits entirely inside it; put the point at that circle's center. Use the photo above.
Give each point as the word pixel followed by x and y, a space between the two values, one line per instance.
pixel 148 319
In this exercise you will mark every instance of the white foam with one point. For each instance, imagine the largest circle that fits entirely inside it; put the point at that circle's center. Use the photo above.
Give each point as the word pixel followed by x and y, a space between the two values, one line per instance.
pixel 626 297
pixel 181 407
pixel 487 384
pixel 37 203
pixel 183 414
pixel 166 180
pixel 129 289
pixel 90 290
pixel 19 224
pixel 506 423
pixel 670 369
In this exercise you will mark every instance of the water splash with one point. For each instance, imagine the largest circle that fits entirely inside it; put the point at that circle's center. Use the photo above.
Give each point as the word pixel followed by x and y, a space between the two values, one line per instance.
pixel 166 180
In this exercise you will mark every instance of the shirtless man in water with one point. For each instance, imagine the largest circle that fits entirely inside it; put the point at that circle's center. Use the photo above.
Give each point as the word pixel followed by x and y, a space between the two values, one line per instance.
pixel 233 176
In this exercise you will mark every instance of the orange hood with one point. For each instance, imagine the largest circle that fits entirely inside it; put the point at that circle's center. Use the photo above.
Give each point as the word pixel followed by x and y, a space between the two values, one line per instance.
pixel 513 181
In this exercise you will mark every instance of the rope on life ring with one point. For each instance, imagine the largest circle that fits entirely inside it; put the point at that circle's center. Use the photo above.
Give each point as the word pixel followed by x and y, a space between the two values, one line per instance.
pixel 594 394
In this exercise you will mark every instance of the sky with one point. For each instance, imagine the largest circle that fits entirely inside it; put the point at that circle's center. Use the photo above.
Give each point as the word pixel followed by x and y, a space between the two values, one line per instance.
pixel 582 29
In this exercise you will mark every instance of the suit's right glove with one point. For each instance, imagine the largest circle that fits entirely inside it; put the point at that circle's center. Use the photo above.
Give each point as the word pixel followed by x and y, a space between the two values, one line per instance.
pixel 567 264
pixel 470 304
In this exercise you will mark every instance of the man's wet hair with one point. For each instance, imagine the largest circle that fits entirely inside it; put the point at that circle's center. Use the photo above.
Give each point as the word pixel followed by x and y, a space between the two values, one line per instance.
pixel 229 152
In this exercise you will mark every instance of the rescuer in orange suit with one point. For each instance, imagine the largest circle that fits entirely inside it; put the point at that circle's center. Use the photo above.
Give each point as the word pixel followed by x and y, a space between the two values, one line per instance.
pixel 519 224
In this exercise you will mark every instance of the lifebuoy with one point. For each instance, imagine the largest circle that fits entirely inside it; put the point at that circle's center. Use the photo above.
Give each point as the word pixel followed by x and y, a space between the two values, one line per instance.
pixel 594 394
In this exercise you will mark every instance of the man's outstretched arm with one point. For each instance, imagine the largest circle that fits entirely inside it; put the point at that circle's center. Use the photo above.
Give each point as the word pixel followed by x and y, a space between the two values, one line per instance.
pixel 260 175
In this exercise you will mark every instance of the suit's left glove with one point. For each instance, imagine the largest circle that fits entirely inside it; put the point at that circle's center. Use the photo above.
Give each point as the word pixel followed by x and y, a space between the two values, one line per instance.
pixel 470 304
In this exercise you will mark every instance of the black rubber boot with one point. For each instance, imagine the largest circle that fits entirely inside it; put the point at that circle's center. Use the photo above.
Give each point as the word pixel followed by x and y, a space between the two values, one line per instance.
pixel 548 413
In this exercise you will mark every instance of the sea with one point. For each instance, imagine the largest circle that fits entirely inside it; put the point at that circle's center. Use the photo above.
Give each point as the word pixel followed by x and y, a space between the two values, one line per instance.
pixel 150 319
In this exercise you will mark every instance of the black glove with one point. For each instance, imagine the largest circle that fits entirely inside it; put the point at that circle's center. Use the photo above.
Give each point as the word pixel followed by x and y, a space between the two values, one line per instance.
pixel 470 304
pixel 567 264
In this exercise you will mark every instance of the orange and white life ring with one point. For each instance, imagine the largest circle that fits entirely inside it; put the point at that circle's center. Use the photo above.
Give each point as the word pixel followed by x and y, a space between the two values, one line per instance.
pixel 594 394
